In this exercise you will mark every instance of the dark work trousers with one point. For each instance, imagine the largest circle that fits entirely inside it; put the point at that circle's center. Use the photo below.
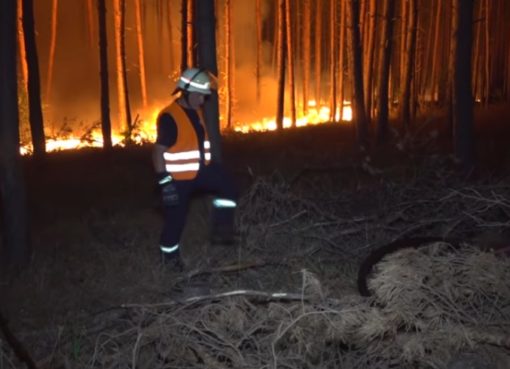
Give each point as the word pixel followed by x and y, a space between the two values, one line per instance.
pixel 211 179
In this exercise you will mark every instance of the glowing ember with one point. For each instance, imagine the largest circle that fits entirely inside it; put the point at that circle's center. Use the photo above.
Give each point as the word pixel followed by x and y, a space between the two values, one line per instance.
pixel 145 131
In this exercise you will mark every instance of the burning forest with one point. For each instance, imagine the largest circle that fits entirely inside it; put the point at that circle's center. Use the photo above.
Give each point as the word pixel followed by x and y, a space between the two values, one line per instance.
pixel 254 184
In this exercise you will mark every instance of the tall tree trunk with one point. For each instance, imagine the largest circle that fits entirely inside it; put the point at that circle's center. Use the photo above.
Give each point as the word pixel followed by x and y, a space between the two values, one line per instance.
pixel 258 67
pixel 280 104
pixel 384 71
pixel 206 32
pixel 436 54
pixel 184 34
pixel 90 23
pixel 170 37
pixel 53 46
pixel 369 54
pixel 462 97
pixel 34 82
pixel 22 48
pixel 306 52
pixel 359 112
pixel 123 109
pixel 141 53
pixel 486 94
pixel 106 127
pixel 318 51
pixel 228 64
pixel 190 33
pixel 290 62
pixel 16 243
pixel 341 58
pixel 124 69
pixel 332 61
pixel 407 78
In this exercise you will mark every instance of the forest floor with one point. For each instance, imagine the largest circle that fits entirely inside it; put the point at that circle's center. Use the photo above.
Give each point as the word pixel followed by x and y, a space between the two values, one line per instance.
pixel 312 208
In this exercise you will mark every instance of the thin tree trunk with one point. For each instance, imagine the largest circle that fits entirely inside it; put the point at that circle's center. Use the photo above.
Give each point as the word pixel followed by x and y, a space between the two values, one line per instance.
pixel 341 58
pixel 357 70
pixel 184 34
pixel 407 78
pixel 290 62
pixel 258 68
pixel 281 65
pixel 170 37
pixel 306 52
pixel 228 64
pixel 332 61
pixel 486 94
pixel 22 48
pixel 12 187
pixel 206 36
pixel 124 70
pixel 106 127
pixel 190 33
pixel 90 23
pixel 141 53
pixel 369 53
pixel 477 53
pixel 434 83
pixel 462 98
pixel 34 83
pixel 318 51
pixel 384 71
pixel 53 46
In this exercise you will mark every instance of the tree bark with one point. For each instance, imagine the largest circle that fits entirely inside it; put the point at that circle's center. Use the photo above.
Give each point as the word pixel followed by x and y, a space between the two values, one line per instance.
pixel 53 47
pixel 34 82
pixel 184 34
pixel 281 65
pixel 306 52
pixel 333 61
pixel 384 72
pixel 462 95
pixel 106 127
pixel 16 243
pixel 141 53
pixel 206 35
pixel 408 70
pixel 359 112
pixel 290 62
pixel 228 64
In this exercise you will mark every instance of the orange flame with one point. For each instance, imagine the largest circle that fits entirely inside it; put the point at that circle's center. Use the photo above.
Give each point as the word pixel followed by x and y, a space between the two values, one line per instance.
pixel 145 130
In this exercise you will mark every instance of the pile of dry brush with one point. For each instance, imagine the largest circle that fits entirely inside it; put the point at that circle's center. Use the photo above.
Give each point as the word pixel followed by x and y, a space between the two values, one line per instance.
pixel 287 298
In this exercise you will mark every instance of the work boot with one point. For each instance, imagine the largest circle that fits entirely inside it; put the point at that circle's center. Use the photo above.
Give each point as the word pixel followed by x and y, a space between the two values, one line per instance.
pixel 172 260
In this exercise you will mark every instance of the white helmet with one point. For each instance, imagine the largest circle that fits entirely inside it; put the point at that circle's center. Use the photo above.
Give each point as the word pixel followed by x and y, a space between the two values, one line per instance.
pixel 195 80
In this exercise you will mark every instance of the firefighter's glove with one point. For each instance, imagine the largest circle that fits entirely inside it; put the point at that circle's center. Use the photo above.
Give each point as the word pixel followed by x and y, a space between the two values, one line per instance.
pixel 169 195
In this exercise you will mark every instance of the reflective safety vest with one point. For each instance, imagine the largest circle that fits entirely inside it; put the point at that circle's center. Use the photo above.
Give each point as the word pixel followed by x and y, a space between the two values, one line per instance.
pixel 182 160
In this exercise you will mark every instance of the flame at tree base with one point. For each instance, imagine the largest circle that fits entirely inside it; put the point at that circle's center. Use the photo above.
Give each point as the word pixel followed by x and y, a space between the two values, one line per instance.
pixel 145 131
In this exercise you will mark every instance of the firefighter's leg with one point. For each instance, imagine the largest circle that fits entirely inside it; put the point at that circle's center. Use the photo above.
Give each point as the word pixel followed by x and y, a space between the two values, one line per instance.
pixel 173 226
pixel 217 181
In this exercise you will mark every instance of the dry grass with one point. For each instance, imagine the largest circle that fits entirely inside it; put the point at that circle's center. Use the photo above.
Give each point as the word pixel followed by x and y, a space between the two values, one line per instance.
pixel 96 295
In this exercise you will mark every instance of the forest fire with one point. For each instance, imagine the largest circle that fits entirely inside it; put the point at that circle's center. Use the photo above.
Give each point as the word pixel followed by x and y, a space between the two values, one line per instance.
pixel 145 131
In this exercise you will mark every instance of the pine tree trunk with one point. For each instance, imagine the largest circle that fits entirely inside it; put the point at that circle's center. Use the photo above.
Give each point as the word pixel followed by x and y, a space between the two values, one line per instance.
pixel 384 71
pixel 184 34
pixel 436 54
pixel 258 67
pixel 34 83
pixel 369 62
pixel 190 33
pixel 358 101
pixel 90 23
pixel 206 37
pixel 106 127
pixel 22 48
pixel 341 58
pixel 462 97
pixel 281 56
pixel 124 70
pixel 332 62
pixel 228 65
pixel 306 52
pixel 290 62
pixel 15 231
pixel 486 94
pixel 407 78
pixel 318 51
pixel 141 53
pixel 53 46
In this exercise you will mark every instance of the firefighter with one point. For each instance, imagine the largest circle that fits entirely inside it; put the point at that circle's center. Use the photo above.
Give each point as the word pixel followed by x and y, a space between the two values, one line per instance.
pixel 182 161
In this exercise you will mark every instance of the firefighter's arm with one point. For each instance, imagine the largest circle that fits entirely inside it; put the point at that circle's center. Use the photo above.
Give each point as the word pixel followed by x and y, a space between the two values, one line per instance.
pixel 158 162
